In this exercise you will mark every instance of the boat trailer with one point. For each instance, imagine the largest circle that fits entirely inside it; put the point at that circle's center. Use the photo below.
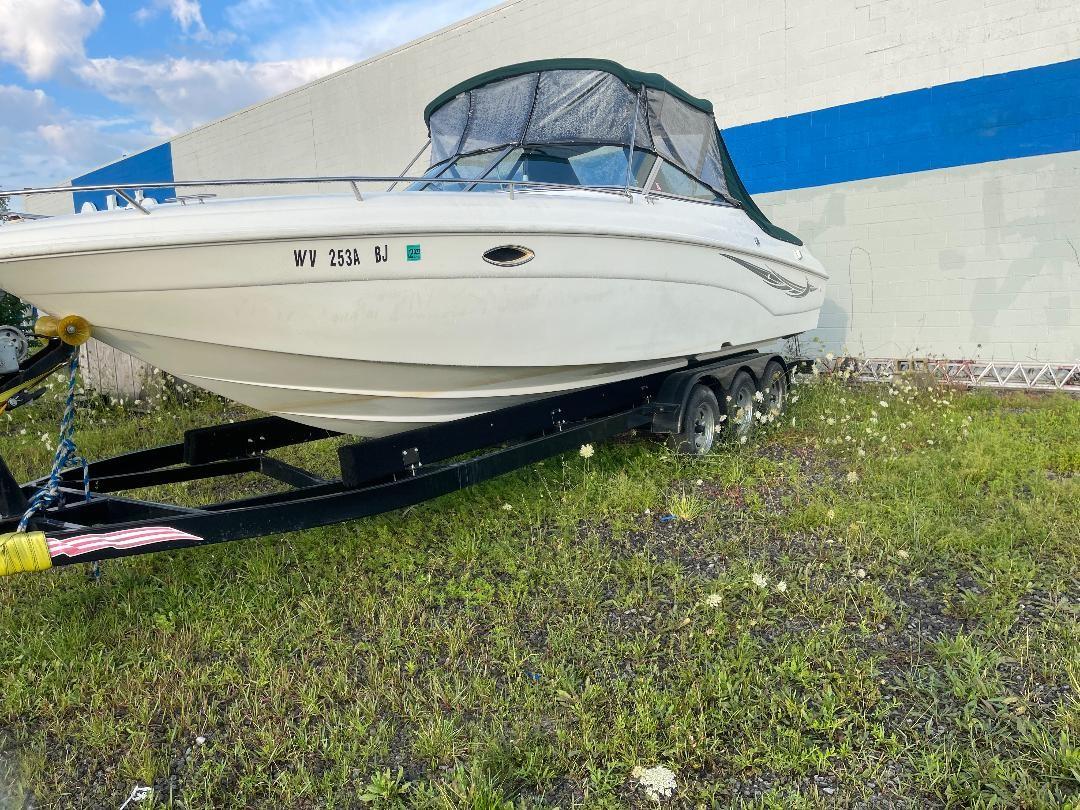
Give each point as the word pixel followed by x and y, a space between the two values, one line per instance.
pixel 90 522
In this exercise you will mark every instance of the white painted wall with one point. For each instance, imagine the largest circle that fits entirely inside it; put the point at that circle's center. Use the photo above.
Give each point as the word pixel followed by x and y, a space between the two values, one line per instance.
pixel 979 261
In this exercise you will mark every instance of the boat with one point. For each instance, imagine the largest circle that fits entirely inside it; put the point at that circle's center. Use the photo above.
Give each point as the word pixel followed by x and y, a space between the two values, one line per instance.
pixel 579 223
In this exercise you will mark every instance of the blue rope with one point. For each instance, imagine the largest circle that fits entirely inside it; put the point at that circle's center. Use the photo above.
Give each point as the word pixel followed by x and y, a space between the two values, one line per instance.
pixel 66 456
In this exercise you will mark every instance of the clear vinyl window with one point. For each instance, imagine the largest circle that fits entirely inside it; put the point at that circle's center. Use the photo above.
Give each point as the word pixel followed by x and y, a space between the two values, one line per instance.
pixel 674 181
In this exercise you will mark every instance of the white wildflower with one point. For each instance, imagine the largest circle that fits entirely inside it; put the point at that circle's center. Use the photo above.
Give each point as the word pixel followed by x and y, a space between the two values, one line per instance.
pixel 902 554
pixel 507 507
pixel 781 586
pixel 861 573
pixel 714 600
pixel 830 421
pixel 698 483
pixel 759 397
pixel 883 404
pixel 853 477
pixel 760 580
pixel 586 451
pixel 658 783
pixel 830 514
pixel 742 440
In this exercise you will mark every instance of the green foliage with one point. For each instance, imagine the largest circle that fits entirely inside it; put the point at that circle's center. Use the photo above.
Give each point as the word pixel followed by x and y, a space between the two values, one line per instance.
pixel 865 605
pixel 386 789
pixel 12 310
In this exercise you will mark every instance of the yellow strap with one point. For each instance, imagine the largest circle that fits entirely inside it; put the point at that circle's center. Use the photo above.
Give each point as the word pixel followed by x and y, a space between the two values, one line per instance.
pixel 22 552
pixel 6 395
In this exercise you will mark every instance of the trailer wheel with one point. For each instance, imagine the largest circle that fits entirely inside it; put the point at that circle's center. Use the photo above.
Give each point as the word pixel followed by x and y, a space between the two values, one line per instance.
pixel 740 405
pixel 700 419
pixel 774 386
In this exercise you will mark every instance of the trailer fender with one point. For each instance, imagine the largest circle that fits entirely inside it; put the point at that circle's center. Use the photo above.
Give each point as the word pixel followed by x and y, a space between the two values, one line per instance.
pixel 675 390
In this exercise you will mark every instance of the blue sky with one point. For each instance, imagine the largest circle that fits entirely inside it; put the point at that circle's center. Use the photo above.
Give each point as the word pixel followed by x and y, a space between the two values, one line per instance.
pixel 83 82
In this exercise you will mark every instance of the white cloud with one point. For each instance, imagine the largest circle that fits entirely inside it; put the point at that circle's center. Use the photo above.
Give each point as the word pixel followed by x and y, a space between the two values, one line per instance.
pixel 23 107
pixel 42 144
pixel 250 13
pixel 188 14
pixel 354 33
pixel 42 36
pixel 295 42
pixel 178 94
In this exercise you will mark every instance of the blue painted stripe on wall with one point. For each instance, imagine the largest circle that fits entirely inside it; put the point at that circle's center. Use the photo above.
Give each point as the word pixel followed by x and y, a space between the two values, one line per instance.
pixel 155 165
pixel 1035 111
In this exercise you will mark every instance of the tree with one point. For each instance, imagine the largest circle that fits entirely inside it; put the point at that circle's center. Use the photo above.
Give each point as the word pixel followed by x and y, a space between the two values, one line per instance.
pixel 12 310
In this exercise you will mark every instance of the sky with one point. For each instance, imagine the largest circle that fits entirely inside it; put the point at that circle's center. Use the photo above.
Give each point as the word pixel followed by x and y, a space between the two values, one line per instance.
pixel 85 82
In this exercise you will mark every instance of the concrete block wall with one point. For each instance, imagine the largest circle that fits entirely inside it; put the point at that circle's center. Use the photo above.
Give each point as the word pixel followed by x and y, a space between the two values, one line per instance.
pixel 980 261
pixel 968 254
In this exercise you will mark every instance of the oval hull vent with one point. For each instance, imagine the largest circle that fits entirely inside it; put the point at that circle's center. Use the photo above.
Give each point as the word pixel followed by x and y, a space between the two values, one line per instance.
pixel 508 256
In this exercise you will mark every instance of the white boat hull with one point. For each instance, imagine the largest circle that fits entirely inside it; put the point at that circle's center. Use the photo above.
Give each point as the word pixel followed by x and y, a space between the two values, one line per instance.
pixel 329 323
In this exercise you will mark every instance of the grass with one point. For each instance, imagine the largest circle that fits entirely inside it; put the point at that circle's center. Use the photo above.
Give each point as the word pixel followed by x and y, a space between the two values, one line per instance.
pixel 872 603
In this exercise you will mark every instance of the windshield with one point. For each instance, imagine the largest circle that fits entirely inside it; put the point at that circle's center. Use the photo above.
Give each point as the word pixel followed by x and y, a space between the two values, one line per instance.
pixel 577 165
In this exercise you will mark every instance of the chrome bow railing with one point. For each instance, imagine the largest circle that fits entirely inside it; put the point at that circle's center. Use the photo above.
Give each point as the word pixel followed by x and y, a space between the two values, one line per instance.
pixel 133 193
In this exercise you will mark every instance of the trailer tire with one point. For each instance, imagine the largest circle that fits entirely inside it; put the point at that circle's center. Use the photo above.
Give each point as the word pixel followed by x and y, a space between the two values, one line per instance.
pixel 774 387
pixel 700 419
pixel 740 406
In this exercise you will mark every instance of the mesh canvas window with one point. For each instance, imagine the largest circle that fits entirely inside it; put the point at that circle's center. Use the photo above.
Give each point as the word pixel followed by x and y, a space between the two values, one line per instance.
pixel 575 106
pixel 582 103
pixel 685 136
pixel 447 125
pixel 499 113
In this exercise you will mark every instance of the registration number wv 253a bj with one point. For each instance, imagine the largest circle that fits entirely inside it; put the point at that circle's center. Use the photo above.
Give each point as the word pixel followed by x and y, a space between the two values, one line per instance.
pixel 340 257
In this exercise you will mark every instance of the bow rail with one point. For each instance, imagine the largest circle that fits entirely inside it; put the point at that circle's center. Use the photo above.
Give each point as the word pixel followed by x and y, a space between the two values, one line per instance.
pixel 131 193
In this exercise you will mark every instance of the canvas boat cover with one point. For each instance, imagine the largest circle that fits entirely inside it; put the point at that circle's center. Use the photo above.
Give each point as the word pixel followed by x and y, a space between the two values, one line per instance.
pixel 588 101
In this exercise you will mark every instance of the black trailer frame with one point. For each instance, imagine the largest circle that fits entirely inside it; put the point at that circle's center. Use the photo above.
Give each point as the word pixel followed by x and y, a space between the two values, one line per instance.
pixel 377 475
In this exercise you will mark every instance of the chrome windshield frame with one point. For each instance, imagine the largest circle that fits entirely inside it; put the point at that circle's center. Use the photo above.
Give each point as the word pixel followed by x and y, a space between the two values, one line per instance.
pixel 506 150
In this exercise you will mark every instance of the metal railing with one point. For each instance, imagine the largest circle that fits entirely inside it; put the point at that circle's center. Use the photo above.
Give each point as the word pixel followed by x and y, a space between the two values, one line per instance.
pixel 131 192
pixel 1031 375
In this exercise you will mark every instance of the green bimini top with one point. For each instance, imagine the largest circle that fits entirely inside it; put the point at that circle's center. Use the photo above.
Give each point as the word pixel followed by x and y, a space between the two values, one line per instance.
pixel 632 78
pixel 588 101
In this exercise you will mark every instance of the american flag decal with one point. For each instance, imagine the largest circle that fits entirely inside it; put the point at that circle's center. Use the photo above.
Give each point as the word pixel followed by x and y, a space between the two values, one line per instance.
pixel 123 539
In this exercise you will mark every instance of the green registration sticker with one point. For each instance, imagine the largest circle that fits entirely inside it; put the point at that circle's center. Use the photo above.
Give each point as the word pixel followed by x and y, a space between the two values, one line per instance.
pixel 412 252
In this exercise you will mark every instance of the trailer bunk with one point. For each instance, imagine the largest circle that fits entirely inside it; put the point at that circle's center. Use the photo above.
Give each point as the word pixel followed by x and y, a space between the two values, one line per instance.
pixel 92 522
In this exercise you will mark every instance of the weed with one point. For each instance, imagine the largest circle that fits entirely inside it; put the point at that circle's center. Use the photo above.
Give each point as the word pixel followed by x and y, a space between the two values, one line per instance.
pixel 924 648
